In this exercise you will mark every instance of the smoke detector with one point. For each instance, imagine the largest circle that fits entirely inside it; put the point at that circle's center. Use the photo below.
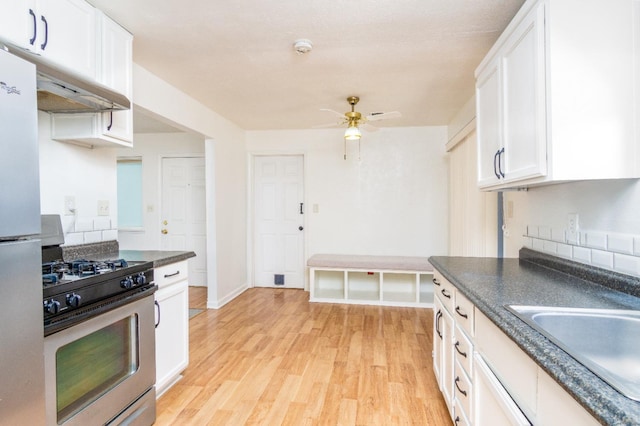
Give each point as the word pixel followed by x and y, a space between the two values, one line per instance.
pixel 302 46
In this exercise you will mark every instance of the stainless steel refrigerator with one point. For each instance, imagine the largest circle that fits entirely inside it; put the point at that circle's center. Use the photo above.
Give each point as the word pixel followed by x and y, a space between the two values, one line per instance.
pixel 21 314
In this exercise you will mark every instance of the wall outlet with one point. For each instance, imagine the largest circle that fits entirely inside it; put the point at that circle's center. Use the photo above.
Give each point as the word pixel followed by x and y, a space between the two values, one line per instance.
pixel 573 236
pixel 69 205
pixel 103 207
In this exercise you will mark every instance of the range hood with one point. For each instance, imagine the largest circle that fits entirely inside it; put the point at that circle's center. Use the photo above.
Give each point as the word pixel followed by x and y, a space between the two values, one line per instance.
pixel 63 90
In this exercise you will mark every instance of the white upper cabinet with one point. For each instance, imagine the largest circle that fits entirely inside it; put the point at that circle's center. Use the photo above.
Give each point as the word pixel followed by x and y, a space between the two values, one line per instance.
pixel 19 23
pixel 63 31
pixel 68 34
pixel 116 72
pixel 554 96
pixel 112 128
pixel 510 107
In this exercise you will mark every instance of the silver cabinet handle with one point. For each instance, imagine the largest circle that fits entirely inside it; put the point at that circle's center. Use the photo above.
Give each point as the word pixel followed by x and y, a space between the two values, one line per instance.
pixel 172 275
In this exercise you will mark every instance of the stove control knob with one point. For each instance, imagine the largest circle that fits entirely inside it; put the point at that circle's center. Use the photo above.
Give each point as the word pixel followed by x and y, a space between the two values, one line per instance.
pixel 126 283
pixel 51 306
pixel 140 279
pixel 73 300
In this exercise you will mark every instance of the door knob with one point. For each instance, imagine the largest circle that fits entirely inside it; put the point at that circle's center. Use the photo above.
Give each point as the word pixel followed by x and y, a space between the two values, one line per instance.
pixel 164 222
pixel 300 228
pixel 164 231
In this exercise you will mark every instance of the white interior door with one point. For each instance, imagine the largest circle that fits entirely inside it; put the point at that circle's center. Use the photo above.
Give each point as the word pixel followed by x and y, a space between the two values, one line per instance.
pixel 184 212
pixel 278 221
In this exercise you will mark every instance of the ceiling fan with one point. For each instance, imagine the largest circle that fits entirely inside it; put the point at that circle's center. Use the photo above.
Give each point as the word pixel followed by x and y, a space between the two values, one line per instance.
pixel 354 120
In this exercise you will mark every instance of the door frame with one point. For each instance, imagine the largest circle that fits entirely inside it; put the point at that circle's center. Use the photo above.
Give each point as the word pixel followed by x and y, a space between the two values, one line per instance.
pixel 251 211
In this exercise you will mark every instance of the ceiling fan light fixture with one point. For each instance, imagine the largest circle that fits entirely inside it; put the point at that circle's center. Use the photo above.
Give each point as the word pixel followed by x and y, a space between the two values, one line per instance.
pixel 352 133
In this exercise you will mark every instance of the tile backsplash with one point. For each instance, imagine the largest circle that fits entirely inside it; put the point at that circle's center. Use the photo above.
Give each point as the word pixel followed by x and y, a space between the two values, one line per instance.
pixel 612 251
pixel 87 230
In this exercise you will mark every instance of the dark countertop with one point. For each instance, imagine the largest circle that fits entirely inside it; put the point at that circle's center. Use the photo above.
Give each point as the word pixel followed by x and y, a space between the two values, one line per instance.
pixel 158 257
pixel 492 283
pixel 111 250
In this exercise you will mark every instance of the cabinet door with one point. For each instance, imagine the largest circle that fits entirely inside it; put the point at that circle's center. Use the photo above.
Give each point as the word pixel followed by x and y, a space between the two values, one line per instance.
pixel 116 73
pixel 438 340
pixel 523 112
pixel 489 124
pixel 67 34
pixel 172 334
pixel 447 359
pixel 492 405
pixel 19 23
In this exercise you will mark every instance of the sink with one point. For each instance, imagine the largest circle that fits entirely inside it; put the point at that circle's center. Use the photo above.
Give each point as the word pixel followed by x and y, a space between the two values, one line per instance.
pixel 606 341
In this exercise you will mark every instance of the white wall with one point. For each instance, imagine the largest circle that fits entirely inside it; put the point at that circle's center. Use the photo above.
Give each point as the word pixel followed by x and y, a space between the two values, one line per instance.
pixel 88 175
pixel 151 148
pixel 225 159
pixel 392 202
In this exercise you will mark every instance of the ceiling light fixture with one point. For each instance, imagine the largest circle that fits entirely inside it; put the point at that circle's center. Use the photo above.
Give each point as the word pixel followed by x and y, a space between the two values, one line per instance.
pixel 352 133
pixel 302 46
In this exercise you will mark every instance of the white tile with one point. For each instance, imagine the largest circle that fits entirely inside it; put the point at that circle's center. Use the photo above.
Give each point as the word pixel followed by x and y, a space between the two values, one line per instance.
pixel 68 223
pixel 93 237
pixel 557 234
pixel 532 231
pixel 603 259
pixel 626 264
pixel 544 232
pixel 84 225
pixel 550 247
pixel 573 239
pixel 620 243
pixel 101 223
pixel 538 244
pixel 111 234
pixel 582 254
pixel 636 246
pixel 565 250
pixel 596 240
pixel 73 238
pixel 527 242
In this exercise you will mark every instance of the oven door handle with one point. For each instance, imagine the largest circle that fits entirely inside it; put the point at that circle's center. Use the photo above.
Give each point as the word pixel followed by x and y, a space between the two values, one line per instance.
pixel 157 306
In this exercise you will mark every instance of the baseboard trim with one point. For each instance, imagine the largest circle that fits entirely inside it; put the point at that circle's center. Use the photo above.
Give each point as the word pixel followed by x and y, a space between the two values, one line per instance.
pixel 217 304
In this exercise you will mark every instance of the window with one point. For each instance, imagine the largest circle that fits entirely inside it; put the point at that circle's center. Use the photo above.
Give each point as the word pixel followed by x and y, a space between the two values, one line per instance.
pixel 130 193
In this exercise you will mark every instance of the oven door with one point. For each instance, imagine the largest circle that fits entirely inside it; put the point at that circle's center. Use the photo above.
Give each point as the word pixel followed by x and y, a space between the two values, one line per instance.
pixel 98 368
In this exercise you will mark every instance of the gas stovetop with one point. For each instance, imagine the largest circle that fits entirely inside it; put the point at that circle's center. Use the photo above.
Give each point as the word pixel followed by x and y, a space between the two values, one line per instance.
pixel 59 272
pixel 78 287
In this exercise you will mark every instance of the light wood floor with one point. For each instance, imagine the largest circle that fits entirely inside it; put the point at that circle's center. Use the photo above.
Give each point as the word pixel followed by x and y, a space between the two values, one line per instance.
pixel 270 357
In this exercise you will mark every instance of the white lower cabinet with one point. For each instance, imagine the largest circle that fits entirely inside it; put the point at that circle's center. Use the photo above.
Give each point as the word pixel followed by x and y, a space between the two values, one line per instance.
pixel 172 324
pixel 484 377
pixel 493 405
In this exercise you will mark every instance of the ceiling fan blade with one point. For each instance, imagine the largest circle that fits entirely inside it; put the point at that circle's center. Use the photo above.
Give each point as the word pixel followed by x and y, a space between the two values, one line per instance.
pixel 339 114
pixel 375 116
pixel 334 124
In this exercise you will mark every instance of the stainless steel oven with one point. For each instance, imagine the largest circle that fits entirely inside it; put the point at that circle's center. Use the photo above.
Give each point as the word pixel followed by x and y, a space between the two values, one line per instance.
pixel 101 370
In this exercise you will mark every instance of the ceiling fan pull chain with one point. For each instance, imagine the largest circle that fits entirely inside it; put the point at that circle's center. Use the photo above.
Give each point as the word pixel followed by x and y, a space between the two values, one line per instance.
pixel 345 149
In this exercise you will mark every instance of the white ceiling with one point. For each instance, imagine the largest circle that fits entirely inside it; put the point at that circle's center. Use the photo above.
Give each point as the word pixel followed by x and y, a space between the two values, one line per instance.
pixel 237 57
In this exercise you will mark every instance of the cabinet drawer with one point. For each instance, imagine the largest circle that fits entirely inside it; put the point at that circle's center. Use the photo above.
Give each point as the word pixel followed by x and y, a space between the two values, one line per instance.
pixel 464 314
pixel 170 274
pixel 460 417
pixel 462 389
pixel 463 350
pixel 444 290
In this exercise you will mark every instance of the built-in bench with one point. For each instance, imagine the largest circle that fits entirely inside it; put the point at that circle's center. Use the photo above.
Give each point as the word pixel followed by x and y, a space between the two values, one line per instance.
pixel 371 280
